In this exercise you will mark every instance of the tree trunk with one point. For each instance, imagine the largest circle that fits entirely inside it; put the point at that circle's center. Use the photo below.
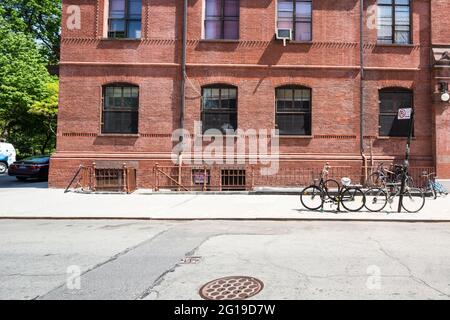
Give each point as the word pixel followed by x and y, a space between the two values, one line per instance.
pixel 44 146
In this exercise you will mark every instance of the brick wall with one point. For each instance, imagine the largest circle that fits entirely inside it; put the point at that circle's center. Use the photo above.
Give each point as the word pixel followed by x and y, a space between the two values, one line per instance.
pixel 256 64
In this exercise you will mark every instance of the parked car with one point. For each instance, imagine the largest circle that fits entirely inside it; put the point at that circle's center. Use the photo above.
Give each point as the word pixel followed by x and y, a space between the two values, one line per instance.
pixel 30 168
pixel 7 156
pixel 3 163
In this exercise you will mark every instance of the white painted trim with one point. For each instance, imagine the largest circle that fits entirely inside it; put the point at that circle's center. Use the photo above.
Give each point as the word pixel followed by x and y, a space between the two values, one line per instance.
pixel 105 19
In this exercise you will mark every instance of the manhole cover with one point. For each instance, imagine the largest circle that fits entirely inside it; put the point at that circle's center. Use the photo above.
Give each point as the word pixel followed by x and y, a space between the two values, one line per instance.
pixel 231 288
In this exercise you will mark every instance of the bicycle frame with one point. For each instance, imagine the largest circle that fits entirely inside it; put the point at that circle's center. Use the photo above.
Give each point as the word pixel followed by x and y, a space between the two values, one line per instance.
pixel 325 191
pixel 432 186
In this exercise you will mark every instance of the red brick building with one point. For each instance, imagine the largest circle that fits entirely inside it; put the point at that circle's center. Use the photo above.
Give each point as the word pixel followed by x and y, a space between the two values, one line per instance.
pixel 332 98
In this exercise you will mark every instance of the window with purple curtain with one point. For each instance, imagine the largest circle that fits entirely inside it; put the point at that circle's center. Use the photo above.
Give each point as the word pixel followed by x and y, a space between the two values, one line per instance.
pixel 222 19
pixel 297 16
pixel 125 19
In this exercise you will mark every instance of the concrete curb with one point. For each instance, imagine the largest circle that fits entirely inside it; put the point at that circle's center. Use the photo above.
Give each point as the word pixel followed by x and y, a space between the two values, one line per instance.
pixel 229 219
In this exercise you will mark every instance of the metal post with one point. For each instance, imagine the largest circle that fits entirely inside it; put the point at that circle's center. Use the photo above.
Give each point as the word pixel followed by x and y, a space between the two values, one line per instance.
pixel 180 167
pixel 155 171
pixel 252 186
pixel 361 85
pixel 406 164
pixel 94 178
pixel 125 182
pixel 183 63
pixel 205 177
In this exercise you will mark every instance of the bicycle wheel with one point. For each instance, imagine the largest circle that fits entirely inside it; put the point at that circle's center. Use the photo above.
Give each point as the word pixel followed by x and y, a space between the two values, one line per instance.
pixel 376 199
pixel 375 180
pixel 352 199
pixel 312 198
pixel 439 189
pixel 332 189
pixel 433 190
pixel 413 200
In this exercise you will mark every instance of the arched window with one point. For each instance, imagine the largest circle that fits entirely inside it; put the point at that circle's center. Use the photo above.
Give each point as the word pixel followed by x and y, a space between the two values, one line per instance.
pixel 124 20
pixel 219 108
pixel 297 16
pixel 222 19
pixel 392 99
pixel 293 110
pixel 120 109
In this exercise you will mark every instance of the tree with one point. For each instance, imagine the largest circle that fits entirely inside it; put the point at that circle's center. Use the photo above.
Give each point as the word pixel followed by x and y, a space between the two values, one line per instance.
pixel 46 110
pixel 41 19
pixel 26 91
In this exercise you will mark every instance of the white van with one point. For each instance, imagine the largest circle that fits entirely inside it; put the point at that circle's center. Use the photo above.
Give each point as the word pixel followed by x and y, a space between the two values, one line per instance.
pixel 7 156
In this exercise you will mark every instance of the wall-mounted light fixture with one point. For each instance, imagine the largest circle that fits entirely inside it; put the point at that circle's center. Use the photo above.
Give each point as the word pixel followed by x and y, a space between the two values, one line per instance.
pixel 443 86
pixel 443 89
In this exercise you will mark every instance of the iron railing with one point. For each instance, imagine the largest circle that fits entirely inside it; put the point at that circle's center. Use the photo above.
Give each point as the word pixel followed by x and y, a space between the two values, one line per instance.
pixel 218 178
pixel 92 179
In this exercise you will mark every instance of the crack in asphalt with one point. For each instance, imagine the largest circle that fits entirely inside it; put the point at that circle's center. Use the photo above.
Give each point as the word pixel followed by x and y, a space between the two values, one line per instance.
pixel 160 278
pixel 204 237
pixel 31 275
pixel 404 265
pixel 111 259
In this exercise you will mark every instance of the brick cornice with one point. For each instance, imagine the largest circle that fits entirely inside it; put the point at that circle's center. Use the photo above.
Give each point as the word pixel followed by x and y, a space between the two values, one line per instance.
pixel 239 43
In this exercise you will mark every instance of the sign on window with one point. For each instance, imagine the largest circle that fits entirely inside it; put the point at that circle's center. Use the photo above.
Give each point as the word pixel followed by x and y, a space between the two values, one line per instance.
pixel 200 177
pixel 404 114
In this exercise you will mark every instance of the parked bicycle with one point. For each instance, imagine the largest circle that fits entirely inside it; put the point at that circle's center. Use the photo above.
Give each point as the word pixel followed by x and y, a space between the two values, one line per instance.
pixel 327 190
pixel 377 198
pixel 382 176
pixel 431 186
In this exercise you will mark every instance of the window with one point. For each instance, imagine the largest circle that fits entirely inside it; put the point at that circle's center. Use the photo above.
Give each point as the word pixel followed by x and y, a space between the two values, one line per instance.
pixel 391 100
pixel 219 108
pixel 233 179
pixel 297 16
pixel 125 19
pixel 394 21
pixel 293 110
pixel 120 109
pixel 222 19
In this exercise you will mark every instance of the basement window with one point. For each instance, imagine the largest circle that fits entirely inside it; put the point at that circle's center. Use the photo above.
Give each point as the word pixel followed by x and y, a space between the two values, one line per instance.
pixel 233 179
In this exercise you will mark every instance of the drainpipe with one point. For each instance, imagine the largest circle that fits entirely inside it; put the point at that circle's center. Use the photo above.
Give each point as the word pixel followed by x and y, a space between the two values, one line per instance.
pixel 183 63
pixel 183 84
pixel 361 88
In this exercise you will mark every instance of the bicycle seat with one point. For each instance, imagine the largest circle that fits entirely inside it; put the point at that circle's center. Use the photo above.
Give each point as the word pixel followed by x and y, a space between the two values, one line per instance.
pixel 346 181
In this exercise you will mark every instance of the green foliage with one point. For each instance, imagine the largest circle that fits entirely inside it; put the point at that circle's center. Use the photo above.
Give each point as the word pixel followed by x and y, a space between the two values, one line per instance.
pixel 41 19
pixel 28 94
pixel 48 106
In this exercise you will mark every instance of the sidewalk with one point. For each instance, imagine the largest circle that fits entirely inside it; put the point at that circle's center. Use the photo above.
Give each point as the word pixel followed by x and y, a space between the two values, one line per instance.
pixel 55 204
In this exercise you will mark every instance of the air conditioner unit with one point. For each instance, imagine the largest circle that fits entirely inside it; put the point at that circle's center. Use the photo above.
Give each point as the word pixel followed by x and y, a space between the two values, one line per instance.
pixel 284 34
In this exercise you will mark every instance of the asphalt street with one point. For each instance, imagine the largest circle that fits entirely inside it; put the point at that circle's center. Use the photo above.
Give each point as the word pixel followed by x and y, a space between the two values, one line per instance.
pixel 100 259
pixel 12 183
